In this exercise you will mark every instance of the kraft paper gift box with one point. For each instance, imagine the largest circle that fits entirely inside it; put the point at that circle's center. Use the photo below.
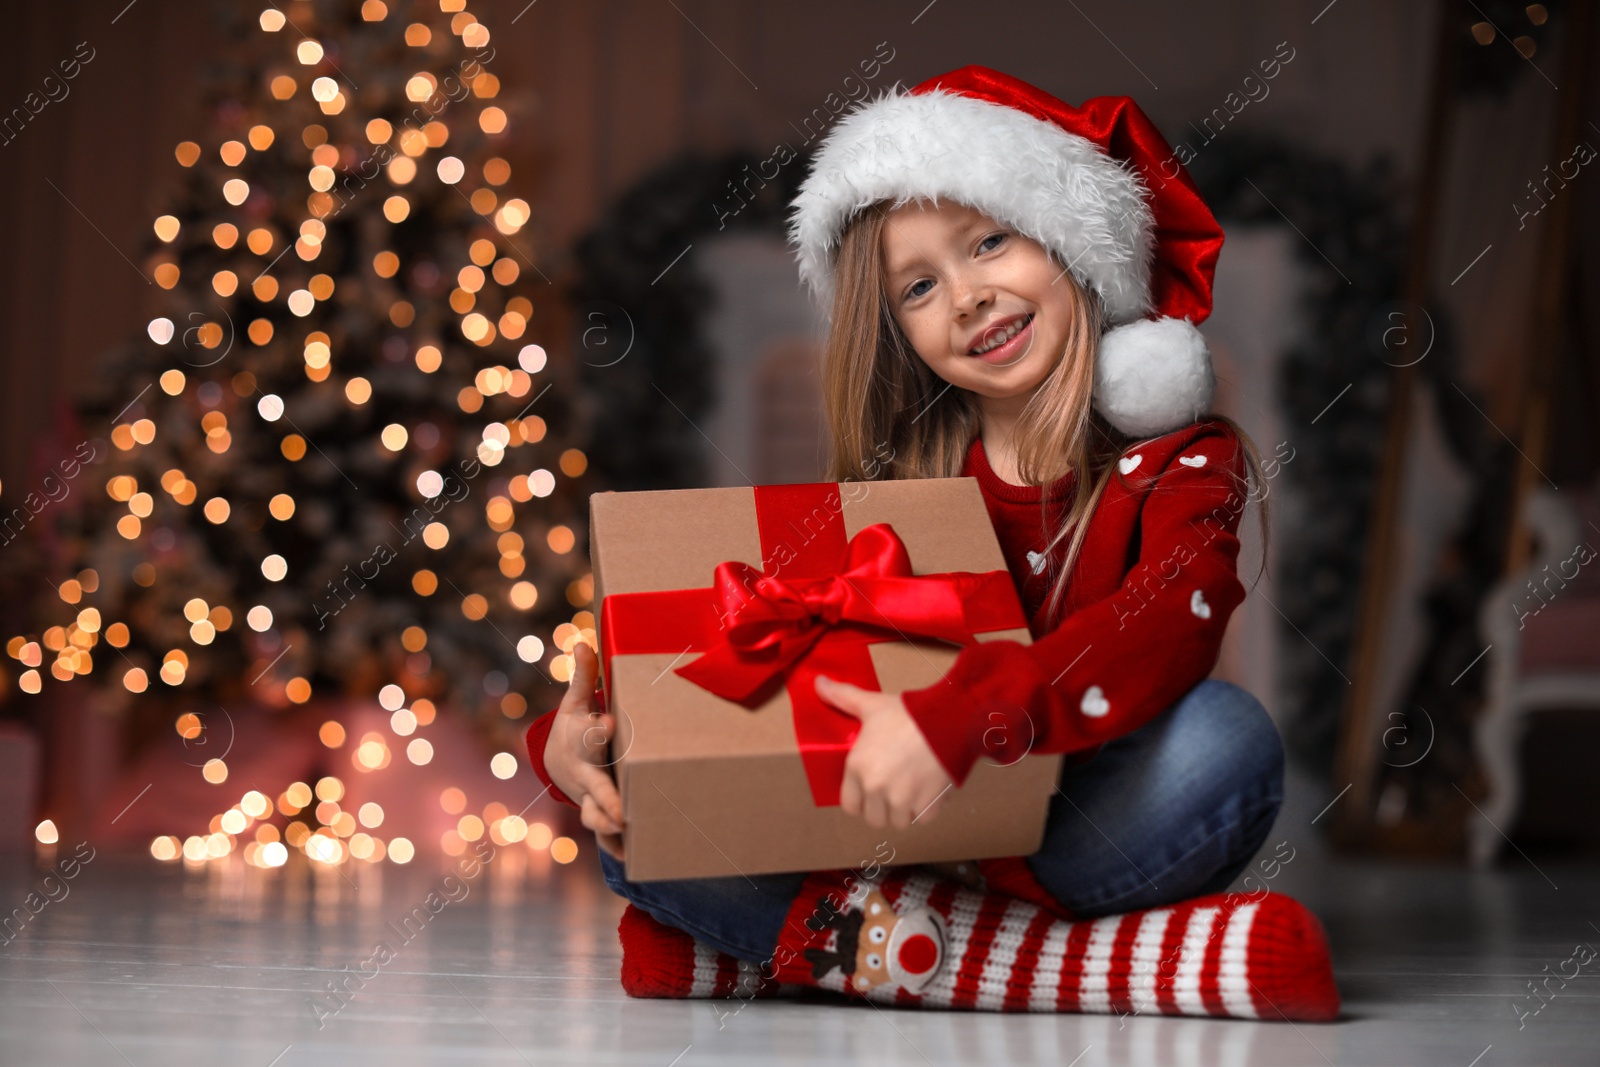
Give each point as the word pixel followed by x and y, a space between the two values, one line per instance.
pixel 718 607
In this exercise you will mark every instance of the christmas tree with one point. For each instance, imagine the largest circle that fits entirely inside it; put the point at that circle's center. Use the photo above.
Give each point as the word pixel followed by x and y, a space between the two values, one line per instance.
pixel 337 462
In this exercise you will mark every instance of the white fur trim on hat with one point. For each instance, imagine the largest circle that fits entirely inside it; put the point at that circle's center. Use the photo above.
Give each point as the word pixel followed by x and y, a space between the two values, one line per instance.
pixel 1058 188
pixel 1153 376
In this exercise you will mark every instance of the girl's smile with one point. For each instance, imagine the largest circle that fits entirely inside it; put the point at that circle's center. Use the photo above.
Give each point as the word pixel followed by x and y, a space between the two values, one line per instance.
pixel 1001 342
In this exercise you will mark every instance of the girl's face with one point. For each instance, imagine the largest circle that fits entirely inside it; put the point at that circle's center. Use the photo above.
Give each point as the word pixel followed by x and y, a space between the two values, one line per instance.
pixel 985 307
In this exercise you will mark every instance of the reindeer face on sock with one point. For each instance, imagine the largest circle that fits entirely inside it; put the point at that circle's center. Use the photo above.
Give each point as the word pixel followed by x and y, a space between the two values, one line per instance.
pixel 876 946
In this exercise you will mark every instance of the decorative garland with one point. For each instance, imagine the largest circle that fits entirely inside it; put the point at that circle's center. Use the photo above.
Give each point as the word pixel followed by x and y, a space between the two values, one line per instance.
pixel 1348 305
pixel 641 309
pixel 1349 219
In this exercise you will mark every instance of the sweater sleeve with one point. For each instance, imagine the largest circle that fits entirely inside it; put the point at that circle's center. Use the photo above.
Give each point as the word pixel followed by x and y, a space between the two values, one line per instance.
pixel 538 736
pixel 1112 666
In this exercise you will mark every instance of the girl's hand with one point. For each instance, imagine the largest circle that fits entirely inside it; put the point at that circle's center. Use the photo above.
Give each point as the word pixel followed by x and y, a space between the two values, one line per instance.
pixel 891 776
pixel 576 754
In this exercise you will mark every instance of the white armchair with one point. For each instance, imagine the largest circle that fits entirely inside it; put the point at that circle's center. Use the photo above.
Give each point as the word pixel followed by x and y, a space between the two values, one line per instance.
pixel 1542 626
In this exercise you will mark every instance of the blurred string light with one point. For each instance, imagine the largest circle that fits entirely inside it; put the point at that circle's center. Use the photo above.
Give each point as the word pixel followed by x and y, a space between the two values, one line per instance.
pixel 1486 32
pixel 242 244
pixel 332 836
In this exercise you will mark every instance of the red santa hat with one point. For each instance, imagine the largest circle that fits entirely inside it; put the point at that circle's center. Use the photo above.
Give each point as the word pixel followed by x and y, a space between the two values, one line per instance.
pixel 1097 185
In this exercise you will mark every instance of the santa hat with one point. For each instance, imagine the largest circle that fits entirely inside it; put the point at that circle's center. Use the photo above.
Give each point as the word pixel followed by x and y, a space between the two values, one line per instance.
pixel 1097 185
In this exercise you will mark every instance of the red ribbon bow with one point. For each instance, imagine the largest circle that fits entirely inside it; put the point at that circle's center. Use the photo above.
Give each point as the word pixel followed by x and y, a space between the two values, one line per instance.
pixel 816 614
pixel 775 622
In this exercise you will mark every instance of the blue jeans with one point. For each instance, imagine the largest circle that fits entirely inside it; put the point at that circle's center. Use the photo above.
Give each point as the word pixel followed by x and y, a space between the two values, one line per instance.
pixel 1173 810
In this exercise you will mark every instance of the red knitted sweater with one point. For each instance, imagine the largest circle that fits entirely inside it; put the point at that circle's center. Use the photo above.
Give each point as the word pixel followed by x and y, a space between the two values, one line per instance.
pixel 1141 622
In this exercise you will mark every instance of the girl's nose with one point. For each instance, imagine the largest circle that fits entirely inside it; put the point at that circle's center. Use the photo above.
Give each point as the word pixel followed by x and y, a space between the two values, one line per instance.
pixel 971 294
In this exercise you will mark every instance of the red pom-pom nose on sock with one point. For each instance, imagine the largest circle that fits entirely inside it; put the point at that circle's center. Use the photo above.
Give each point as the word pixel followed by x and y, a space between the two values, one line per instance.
pixel 918 955
pixel 916 948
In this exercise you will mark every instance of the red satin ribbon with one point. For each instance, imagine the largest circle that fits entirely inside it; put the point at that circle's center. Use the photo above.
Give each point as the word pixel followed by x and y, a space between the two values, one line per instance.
pixel 815 614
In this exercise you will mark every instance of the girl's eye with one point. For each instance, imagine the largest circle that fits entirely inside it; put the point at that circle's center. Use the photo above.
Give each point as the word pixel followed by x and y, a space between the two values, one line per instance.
pixel 912 293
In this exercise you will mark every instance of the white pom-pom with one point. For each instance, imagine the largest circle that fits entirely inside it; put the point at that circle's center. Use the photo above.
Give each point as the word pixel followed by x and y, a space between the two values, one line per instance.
pixel 1153 376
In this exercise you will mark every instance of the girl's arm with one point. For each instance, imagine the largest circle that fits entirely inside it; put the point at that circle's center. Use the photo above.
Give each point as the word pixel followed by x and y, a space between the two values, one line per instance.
pixel 1114 665
pixel 538 738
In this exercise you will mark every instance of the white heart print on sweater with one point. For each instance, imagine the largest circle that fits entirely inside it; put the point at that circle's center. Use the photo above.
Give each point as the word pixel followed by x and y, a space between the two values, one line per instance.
pixel 1198 605
pixel 1036 561
pixel 1192 461
pixel 1129 464
pixel 1094 703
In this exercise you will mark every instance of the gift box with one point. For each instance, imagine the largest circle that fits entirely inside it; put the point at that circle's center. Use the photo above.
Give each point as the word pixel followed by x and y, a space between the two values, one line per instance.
pixel 718 608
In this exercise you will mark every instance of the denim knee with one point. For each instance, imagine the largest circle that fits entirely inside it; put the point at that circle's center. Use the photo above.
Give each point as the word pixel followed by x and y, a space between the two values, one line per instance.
pixel 1168 811
pixel 1227 723
pixel 1227 726
pixel 1232 722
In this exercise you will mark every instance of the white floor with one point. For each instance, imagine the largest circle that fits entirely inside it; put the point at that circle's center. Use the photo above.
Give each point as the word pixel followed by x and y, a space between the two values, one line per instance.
pixel 147 964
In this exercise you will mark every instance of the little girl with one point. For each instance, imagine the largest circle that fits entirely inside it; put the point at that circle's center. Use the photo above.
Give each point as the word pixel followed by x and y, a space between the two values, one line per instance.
pixel 991 258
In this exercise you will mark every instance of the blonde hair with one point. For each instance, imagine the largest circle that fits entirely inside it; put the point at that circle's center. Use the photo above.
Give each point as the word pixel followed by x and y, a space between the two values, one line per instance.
pixel 879 394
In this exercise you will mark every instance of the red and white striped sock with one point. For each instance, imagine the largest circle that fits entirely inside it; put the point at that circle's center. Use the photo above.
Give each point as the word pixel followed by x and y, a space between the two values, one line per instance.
pixel 662 961
pixel 913 939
